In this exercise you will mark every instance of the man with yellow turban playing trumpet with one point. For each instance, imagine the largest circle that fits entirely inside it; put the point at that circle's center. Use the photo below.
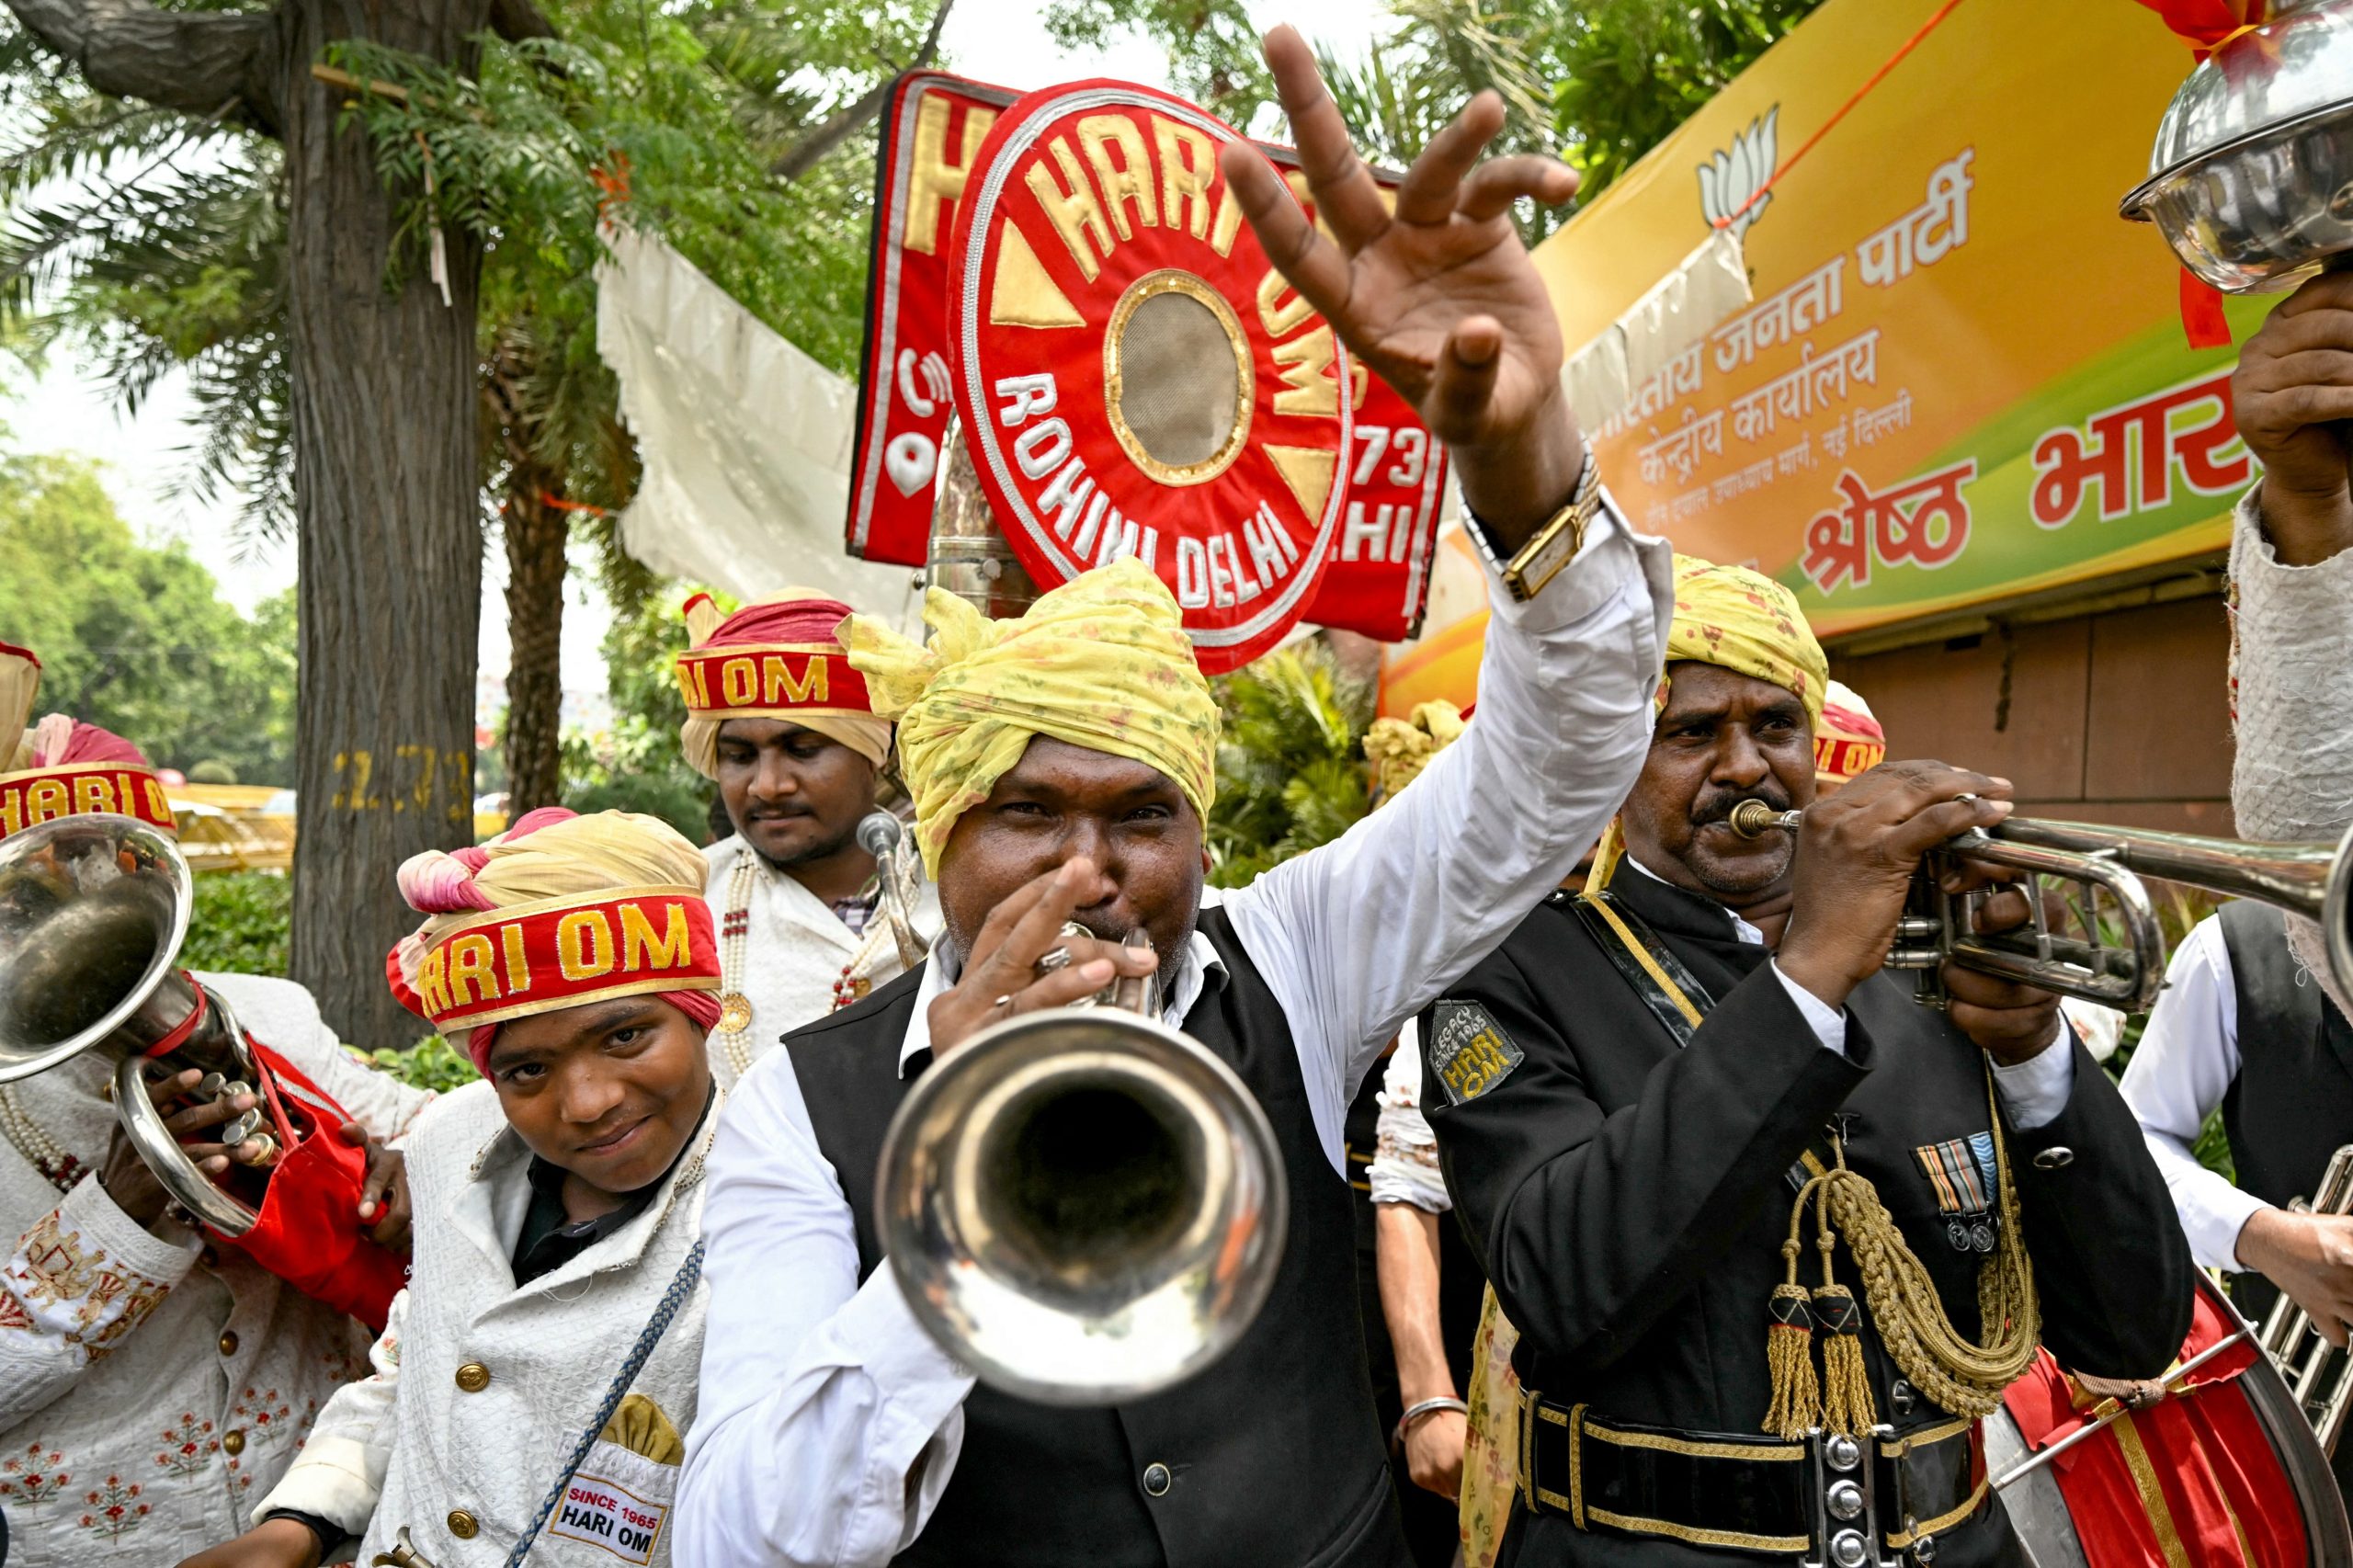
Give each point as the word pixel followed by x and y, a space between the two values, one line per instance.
pixel 1063 766
pixel 1741 1194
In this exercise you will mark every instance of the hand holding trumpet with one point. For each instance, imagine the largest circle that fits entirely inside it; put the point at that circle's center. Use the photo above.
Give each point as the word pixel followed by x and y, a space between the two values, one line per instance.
pixel 1002 978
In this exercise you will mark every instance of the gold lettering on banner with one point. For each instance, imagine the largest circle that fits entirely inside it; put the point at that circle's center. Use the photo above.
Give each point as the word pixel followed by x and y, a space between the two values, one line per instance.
pixel 931 178
pixel 471 958
pixel 1130 182
pixel 1280 315
pixel 1021 294
pixel 1187 169
pixel 642 949
pixel 1307 474
pixel 1309 386
pixel 93 792
pixel 47 799
pixel 583 944
pixel 1228 222
pixel 778 684
pixel 1075 213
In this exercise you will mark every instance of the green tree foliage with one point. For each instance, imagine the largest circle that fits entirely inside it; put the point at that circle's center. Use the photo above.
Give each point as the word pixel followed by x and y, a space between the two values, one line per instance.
pixel 637 766
pixel 137 639
pixel 240 924
pixel 1291 769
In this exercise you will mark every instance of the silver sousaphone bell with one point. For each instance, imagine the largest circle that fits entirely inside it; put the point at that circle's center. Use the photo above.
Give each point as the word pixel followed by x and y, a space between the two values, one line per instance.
pixel 93 912
pixel 1083 1204
pixel 2251 180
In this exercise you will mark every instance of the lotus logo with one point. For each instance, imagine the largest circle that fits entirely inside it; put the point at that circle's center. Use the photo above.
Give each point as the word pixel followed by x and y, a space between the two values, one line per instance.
pixel 1728 180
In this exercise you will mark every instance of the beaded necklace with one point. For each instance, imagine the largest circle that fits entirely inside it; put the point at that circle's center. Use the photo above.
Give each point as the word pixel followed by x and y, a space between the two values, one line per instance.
pixel 735 941
pixel 58 1166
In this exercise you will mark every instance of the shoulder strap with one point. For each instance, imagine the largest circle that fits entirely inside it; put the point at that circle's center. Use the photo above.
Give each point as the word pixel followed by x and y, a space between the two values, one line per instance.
pixel 1669 989
pixel 682 1284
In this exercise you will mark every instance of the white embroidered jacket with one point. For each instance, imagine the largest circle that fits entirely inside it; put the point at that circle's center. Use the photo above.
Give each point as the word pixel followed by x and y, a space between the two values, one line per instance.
pixel 795 951
pixel 480 1389
pixel 153 1387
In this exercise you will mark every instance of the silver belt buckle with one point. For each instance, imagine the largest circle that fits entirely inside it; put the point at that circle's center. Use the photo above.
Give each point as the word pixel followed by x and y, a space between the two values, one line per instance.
pixel 1842 1498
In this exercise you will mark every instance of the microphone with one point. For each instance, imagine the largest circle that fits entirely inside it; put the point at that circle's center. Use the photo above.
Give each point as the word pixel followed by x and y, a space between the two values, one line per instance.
pixel 880 833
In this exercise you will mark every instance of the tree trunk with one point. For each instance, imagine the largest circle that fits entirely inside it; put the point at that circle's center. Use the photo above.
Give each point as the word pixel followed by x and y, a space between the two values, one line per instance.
pixel 387 467
pixel 537 531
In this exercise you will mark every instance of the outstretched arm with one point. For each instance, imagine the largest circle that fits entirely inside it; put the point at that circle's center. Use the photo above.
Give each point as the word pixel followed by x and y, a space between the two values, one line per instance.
pixel 1441 299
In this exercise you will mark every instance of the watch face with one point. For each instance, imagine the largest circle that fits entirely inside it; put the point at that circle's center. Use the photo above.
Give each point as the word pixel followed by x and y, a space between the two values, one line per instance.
pixel 1136 378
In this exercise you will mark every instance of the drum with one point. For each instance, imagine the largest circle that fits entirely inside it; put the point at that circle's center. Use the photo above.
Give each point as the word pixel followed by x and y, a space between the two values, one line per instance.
pixel 2224 1471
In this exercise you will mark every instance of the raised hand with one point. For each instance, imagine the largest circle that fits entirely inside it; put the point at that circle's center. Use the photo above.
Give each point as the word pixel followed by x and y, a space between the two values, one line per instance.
pixel 1439 298
pixel 2293 398
pixel 1001 978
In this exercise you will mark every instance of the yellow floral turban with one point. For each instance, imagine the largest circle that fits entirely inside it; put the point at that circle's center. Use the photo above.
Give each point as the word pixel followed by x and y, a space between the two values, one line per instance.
pixel 1101 662
pixel 1748 623
pixel 1400 748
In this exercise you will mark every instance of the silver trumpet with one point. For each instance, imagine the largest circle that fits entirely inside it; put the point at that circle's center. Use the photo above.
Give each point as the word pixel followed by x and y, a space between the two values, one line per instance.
pixel 1083 1204
pixel 2320 1375
pixel 898 874
pixel 93 912
pixel 2311 880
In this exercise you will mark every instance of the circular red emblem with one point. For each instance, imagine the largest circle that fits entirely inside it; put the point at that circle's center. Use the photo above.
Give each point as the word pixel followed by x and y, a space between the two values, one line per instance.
pixel 1134 376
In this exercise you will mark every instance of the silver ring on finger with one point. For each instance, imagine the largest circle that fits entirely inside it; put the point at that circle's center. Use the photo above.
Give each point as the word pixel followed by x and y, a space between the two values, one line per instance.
pixel 1059 957
pixel 1002 1002
pixel 1964 797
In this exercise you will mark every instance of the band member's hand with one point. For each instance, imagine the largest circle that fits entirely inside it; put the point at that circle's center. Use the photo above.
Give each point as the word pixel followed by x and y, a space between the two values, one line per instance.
pixel 1438 298
pixel 2294 399
pixel 383 1200
pixel 2010 1022
pixel 125 1176
pixel 1001 977
pixel 273 1543
pixel 2309 1257
pixel 1855 856
pixel 1434 1451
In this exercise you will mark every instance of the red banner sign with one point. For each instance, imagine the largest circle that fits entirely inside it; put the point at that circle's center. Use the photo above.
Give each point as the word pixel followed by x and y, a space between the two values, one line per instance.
pixel 1377 576
pixel 39 795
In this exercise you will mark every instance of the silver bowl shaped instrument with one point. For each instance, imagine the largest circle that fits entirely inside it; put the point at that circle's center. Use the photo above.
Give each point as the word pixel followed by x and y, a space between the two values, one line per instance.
pixel 1083 1204
pixel 2251 180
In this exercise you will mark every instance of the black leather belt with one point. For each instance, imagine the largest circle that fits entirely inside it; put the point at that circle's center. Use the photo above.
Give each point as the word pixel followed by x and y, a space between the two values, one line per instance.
pixel 1822 1499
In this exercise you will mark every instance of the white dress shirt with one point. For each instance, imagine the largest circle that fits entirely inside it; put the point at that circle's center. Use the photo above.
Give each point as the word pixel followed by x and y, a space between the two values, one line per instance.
pixel 2291 676
pixel 2186 1061
pixel 830 1421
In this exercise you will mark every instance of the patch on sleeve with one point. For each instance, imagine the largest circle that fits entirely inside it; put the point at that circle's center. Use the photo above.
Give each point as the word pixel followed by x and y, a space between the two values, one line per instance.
pixel 1468 1051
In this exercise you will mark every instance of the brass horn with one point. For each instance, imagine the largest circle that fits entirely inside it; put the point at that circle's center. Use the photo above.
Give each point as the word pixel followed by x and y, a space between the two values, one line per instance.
pixel 2307 1366
pixel 2311 880
pixel 1083 1204
pixel 93 912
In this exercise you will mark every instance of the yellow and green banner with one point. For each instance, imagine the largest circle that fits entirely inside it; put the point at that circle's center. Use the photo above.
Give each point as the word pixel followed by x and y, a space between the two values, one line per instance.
pixel 1963 378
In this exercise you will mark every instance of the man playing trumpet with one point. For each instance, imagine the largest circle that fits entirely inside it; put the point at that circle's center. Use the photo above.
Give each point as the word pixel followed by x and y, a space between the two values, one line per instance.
pixel 1063 766
pixel 1736 1188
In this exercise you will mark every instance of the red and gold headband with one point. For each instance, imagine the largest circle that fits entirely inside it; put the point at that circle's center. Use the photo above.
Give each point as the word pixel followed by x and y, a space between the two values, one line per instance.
pixel 765 680
pixel 76 788
pixel 539 958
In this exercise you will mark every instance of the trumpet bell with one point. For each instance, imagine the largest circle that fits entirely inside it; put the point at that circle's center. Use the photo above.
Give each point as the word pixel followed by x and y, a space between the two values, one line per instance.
pixel 93 911
pixel 1083 1205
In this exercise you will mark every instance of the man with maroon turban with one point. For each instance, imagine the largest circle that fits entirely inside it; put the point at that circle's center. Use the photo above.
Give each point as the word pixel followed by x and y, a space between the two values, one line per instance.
pixel 778 719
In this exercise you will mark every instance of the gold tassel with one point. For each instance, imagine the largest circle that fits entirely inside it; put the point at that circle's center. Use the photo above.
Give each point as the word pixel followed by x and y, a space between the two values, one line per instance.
pixel 1848 1406
pixel 1789 1357
pixel 1796 1407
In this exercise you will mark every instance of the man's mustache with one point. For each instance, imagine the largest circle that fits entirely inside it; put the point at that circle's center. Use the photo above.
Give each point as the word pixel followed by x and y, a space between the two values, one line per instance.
pixel 1718 805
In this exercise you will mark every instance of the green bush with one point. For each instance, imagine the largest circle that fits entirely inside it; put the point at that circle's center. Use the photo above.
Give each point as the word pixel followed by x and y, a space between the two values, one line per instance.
pixel 431 1063
pixel 240 924
pixel 212 770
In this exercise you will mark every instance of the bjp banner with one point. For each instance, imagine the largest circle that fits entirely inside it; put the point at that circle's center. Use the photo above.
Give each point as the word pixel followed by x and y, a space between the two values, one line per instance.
pixel 1962 378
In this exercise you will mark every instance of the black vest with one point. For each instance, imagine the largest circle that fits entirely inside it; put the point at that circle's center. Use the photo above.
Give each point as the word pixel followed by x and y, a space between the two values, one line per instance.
pixel 2292 1105
pixel 1272 1455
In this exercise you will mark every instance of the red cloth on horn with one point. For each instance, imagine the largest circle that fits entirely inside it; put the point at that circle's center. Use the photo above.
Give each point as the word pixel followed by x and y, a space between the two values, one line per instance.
pixel 2202 24
pixel 309 1233
pixel 2194 1475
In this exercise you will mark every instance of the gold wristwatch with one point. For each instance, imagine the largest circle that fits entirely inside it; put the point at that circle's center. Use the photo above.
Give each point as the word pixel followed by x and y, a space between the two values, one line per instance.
pixel 1554 545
